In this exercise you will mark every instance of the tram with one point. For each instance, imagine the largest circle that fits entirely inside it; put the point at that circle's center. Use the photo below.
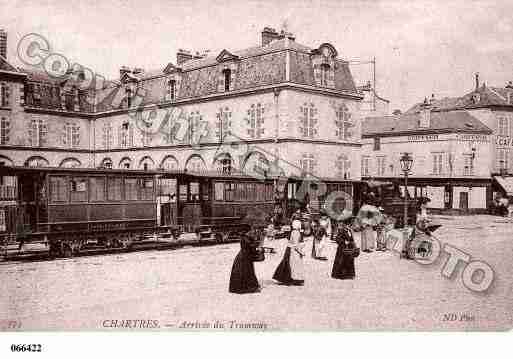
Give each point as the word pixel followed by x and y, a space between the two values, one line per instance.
pixel 75 210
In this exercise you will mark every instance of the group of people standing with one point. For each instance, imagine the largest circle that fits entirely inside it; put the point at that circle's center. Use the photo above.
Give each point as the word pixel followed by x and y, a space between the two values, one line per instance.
pixel 290 271
pixel 373 234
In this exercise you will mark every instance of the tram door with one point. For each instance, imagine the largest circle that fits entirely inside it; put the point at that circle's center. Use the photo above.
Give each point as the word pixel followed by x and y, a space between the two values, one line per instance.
pixel 192 213
pixel 167 202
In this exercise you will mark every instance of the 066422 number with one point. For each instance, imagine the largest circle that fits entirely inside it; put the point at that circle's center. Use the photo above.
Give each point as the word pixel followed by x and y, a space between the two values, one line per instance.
pixel 26 347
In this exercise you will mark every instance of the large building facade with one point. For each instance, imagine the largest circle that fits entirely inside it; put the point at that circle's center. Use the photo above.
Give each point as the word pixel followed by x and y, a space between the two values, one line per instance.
pixel 280 107
pixel 462 148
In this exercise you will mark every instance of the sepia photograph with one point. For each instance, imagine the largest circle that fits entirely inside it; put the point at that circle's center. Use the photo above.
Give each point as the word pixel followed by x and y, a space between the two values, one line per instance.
pixel 255 166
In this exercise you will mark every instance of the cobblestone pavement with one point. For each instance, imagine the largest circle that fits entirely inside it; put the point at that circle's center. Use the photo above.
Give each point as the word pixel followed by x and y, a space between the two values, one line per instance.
pixel 191 285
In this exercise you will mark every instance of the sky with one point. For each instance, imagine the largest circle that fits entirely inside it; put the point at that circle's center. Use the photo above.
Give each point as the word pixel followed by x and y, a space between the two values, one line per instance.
pixel 421 47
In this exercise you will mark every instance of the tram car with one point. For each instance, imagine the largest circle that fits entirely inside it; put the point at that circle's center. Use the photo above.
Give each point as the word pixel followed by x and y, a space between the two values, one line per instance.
pixel 75 210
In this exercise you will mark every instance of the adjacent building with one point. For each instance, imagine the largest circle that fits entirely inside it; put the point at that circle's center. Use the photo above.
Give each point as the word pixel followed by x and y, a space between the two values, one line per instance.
pixel 462 148
pixel 281 107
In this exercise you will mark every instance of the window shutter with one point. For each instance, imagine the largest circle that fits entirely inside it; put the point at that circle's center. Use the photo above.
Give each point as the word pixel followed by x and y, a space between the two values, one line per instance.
pixel 7 94
pixel 131 135
pixel 43 130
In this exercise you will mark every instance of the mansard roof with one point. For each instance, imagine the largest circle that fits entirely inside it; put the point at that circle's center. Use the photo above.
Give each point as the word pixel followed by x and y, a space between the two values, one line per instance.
pixel 448 122
pixel 255 67
pixel 6 67
pixel 482 97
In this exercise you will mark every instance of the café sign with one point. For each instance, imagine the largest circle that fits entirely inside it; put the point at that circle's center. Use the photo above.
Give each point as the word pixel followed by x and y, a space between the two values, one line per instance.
pixel 504 141
pixel 422 138
pixel 470 137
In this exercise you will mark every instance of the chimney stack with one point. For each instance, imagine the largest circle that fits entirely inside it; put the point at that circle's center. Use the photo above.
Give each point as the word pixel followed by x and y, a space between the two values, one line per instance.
pixel 268 35
pixel 123 70
pixel 3 43
pixel 425 114
pixel 183 56
pixel 477 80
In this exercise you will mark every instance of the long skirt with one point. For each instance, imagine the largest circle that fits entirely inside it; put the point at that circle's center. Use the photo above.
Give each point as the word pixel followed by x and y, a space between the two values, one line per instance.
pixel 368 239
pixel 243 278
pixel 343 265
pixel 319 247
pixel 290 269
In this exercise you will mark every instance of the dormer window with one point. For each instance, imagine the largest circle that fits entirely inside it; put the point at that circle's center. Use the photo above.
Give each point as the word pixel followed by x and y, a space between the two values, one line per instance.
pixel 128 93
pixel 227 74
pixel 171 90
pixel 325 69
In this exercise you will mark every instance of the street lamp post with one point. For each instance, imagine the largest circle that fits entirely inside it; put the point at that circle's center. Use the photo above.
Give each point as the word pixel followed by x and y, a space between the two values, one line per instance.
pixel 406 165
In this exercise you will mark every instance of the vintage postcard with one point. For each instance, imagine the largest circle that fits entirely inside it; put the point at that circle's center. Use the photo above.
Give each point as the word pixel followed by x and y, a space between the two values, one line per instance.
pixel 255 166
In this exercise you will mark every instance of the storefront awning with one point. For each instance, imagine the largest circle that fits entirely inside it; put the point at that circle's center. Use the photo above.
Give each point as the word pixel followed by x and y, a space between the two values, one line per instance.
pixel 506 183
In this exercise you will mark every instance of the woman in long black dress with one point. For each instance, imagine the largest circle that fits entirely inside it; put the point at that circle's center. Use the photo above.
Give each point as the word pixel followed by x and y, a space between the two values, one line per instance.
pixel 243 278
pixel 343 265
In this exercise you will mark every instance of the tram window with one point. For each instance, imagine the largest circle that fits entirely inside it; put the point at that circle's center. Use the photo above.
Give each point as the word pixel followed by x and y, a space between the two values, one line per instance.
pixel 97 189
pixel 205 191
pixel 194 191
pixel 237 191
pixel 269 192
pixel 58 189
pixel 228 191
pixel 131 189
pixel 167 187
pixel 249 192
pixel 219 191
pixel 183 192
pixel 114 189
pixel 146 189
pixel 291 190
pixel 78 189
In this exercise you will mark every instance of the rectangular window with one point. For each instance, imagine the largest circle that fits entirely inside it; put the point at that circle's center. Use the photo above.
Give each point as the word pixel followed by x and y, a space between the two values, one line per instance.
pixel 194 191
pixel 503 126
pixel 365 166
pixel 381 165
pixel 37 132
pixel 183 192
pixel 4 95
pixel 468 165
pixel 438 163
pixel 114 188
pixel 58 189
pixel 146 189
pixel 131 189
pixel 229 191
pixel 502 159
pixel 377 143
pixel 205 191
pixel 78 189
pixel 107 136
pixel 5 128
pixel 97 189
pixel 219 191
pixel 168 187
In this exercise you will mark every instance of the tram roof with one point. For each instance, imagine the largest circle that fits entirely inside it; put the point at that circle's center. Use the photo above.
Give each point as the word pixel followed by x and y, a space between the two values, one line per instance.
pixel 15 170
